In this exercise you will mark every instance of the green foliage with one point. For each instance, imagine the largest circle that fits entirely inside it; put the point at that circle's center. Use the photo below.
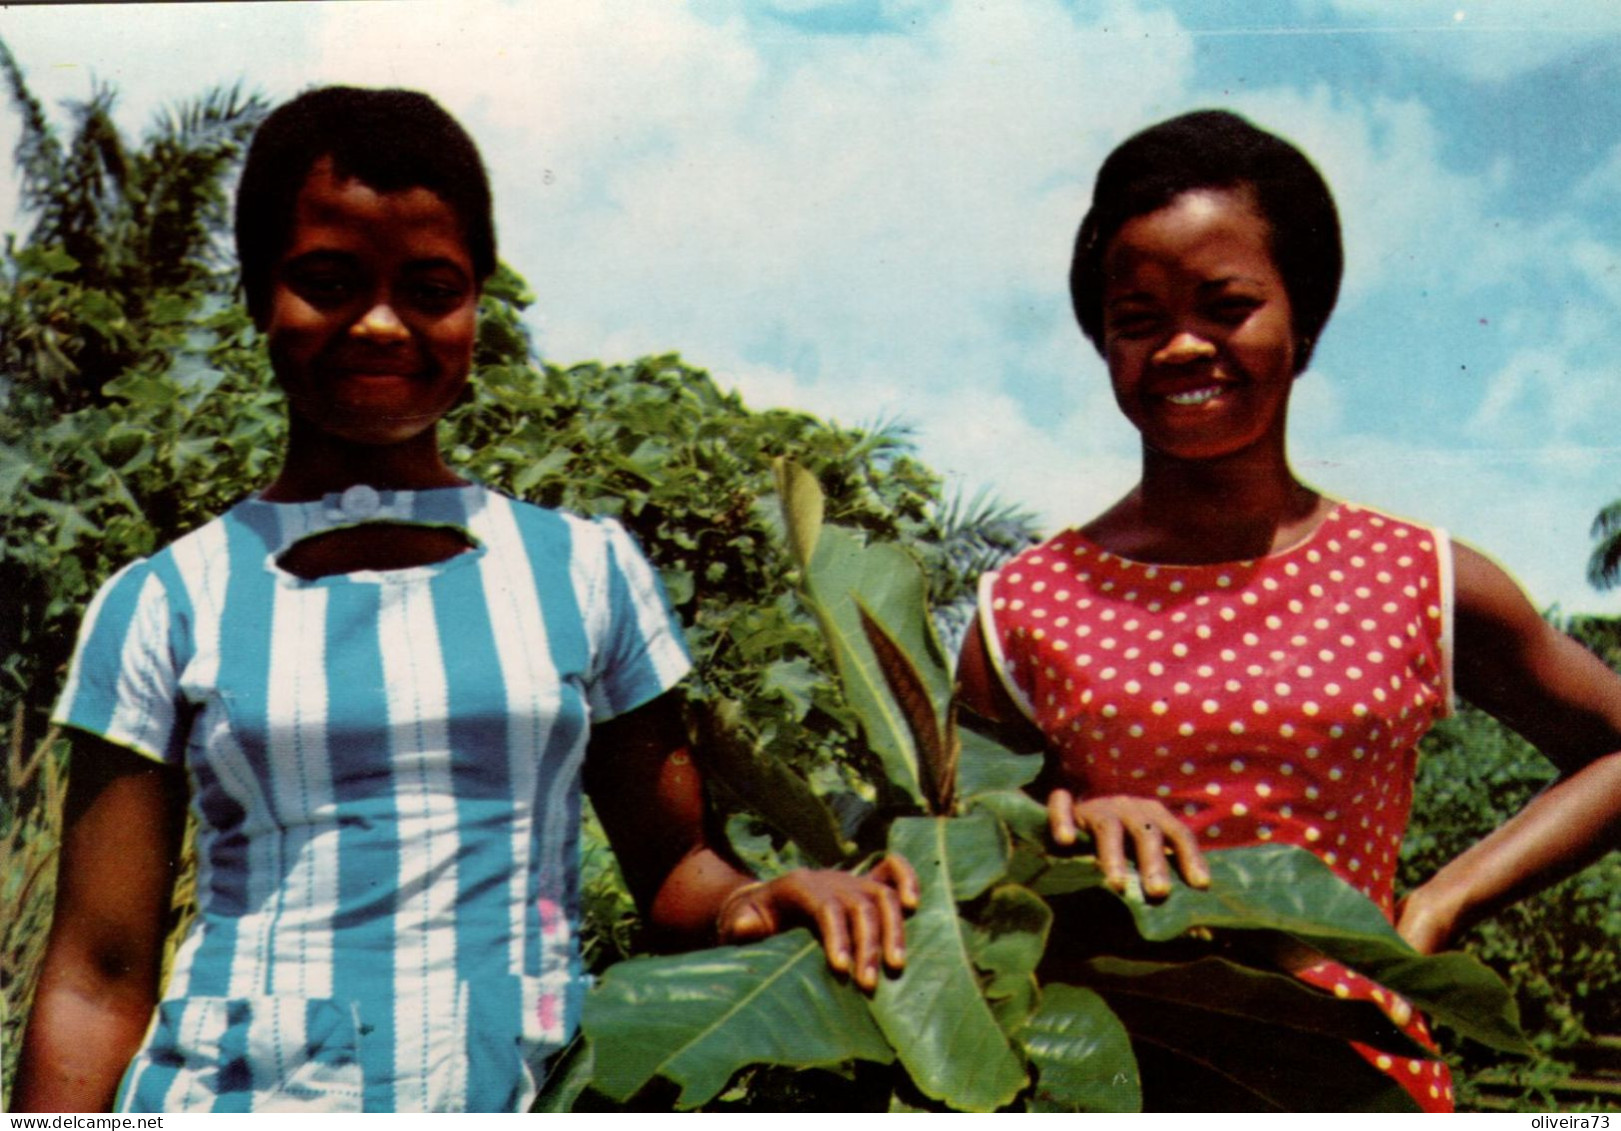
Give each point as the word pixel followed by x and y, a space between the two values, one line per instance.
pixel 1604 565
pixel 986 1015
pixel 28 846
pixel 1558 948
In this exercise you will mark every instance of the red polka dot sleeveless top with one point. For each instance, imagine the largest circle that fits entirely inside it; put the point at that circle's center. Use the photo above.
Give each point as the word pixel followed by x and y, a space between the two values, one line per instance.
pixel 1276 700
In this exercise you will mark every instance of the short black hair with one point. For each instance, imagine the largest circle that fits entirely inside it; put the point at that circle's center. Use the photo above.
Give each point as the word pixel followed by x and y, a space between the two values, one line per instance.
pixel 1217 149
pixel 391 140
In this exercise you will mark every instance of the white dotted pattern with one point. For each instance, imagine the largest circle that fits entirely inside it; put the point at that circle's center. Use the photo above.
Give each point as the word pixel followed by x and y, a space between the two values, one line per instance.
pixel 1278 700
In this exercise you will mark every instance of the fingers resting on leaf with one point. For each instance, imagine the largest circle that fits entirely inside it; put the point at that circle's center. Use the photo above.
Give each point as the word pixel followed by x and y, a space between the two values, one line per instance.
pixel 860 918
pixel 1123 829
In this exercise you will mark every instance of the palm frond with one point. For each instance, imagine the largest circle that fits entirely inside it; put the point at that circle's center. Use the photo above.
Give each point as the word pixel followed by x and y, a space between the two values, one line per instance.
pixel 1604 564
pixel 980 532
pixel 38 156
pixel 182 204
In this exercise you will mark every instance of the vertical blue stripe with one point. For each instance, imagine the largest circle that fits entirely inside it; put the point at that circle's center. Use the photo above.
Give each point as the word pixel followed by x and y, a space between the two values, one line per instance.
pixel 478 734
pixel 243 680
pixel 182 644
pixel 361 753
pixel 549 545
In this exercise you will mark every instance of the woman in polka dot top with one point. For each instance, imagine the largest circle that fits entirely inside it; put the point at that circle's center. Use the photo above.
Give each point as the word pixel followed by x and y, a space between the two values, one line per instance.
pixel 1225 657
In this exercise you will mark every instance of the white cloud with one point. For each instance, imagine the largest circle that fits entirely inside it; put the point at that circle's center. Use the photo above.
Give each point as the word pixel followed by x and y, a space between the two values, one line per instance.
pixel 876 226
pixel 1488 40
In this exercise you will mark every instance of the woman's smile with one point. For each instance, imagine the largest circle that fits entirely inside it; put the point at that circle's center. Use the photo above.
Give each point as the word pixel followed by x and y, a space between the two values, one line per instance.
pixel 372 311
pixel 1202 395
pixel 1197 327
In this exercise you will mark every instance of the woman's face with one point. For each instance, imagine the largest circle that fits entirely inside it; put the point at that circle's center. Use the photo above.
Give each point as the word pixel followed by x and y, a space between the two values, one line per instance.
pixel 372 310
pixel 1197 327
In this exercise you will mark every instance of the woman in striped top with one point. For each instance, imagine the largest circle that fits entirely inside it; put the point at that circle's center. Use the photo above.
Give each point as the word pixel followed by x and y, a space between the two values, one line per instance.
pixel 380 689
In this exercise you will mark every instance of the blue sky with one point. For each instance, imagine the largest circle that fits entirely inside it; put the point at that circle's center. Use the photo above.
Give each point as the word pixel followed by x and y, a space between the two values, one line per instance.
pixel 865 208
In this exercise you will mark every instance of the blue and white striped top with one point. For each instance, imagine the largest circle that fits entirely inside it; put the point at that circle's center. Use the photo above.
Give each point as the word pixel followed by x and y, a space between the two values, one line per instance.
pixel 385 772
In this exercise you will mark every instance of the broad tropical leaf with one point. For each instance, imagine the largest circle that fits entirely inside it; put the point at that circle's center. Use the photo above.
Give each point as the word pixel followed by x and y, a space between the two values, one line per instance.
pixel 1277 887
pixel 571 1074
pixel 1007 937
pixel 985 765
pixel 1047 874
pixel 842 571
pixel 1232 989
pixel 1286 889
pixel 934 1013
pixel 1456 989
pixel 695 1019
pixel 936 747
pixel 1081 1053
pixel 1194 1059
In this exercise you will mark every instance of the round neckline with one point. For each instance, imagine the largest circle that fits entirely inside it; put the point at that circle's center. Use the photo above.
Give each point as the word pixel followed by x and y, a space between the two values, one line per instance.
pixel 1334 514
pixel 363 505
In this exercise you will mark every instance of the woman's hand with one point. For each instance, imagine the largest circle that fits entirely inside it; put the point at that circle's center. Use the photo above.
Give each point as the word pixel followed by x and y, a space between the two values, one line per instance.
pixel 1154 832
pixel 859 918
pixel 647 788
pixel 1563 699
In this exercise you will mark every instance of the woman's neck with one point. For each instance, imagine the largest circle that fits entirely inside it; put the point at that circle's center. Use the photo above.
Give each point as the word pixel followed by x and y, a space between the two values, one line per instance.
pixel 1200 511
pixel 317 465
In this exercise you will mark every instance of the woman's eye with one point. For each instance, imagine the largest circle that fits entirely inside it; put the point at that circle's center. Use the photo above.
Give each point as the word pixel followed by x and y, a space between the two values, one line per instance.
pixel 434 295
pixel 1131 325
pixel 323 288
pixel 1234 310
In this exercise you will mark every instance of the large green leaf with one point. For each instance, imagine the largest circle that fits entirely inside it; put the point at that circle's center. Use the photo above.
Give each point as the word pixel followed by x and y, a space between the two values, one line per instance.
pixel 986 766
pixel 766 785
pixel 935 746
pixel 1287 889
pixel 1026 819
pixel 1007 938
pixel 1231 989
pixel 1081 1053
pixel 1043 872
pixel 1456 989
pixel 1278 887
pixel 571 1074
pixel 842 572
pixel 696 1019
pixel 1196 1059
pixel 934 1013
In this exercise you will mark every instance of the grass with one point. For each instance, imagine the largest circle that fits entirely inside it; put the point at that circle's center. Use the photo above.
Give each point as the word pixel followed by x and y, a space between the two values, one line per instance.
pixel 30 837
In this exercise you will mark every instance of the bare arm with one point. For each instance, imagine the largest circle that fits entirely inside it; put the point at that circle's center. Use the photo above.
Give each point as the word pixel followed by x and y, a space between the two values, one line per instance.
pixel 1562 699
pixel 99 979
pixel 648 791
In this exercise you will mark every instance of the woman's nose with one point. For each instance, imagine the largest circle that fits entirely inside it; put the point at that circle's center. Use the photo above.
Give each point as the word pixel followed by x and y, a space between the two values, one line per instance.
pixel 1183 348
pixel 381 324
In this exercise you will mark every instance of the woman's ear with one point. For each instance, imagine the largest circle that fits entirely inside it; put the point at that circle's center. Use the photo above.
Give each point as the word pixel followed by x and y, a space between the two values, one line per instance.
pixel 256 310
pixel 1303 347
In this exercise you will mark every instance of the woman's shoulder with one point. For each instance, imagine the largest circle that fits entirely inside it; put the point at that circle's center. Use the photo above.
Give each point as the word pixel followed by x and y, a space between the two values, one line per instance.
pixel 568 526
pixel 1365 516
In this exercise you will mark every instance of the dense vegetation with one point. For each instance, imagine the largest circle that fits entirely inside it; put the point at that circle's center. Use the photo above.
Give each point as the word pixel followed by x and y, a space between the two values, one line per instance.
pixel 136 402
